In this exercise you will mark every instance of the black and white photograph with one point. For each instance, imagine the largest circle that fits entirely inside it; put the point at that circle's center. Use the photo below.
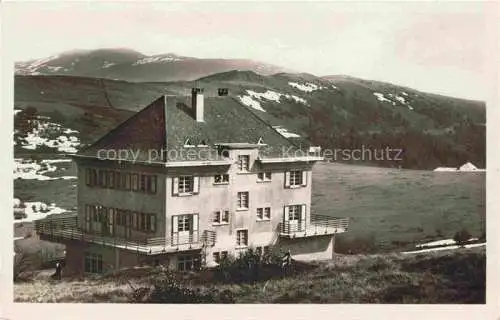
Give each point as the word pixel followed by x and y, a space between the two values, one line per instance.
pixel 248 152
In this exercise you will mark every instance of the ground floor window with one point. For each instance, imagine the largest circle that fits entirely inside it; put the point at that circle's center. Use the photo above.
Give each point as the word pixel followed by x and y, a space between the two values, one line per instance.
pixel 93 262
pixel 219 256
pixel 188 262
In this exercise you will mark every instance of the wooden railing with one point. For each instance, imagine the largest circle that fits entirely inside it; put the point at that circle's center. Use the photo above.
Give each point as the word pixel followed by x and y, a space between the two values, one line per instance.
pixel 67 228
pixel 320 224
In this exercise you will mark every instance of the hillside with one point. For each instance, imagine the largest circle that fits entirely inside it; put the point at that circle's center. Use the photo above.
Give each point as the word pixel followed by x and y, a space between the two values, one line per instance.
pixel 130 65
pixel 340 113
pixel 455 276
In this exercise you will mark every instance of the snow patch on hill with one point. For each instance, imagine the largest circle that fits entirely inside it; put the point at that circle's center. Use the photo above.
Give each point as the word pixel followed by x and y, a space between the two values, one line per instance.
pixel 31 170
pixel 284 132
pixel 107 64
pixel 33 66
pixel 275 96
pixel 49 134
pixel 253 98
pixel 307 87
pixel 249 102
pixel 53 68
pixel 392 98
pixel 382 98
pixel 167 58
pixel 38 210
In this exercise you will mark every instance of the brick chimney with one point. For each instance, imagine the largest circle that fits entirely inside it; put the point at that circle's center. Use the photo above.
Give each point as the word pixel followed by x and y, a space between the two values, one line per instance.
pixel 197 103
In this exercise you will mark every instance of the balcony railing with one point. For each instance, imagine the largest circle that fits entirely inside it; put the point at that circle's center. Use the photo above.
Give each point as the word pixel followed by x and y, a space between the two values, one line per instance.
pixel 60 229
pixel 319 225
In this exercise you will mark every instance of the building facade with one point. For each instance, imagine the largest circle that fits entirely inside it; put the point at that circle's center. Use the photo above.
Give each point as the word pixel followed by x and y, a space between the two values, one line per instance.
pixel 185 183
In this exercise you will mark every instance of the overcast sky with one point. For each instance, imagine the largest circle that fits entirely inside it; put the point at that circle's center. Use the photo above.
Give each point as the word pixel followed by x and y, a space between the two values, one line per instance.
pixel 443 48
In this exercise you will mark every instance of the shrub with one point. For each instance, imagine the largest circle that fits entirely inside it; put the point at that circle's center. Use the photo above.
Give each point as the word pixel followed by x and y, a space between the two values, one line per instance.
pixel 357 245
pixel 461 237
pixel 166 289
pixel 249 266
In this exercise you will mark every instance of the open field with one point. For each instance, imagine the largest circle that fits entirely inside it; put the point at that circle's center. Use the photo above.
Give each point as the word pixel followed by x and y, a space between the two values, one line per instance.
pixel 394 208
pixel 456 276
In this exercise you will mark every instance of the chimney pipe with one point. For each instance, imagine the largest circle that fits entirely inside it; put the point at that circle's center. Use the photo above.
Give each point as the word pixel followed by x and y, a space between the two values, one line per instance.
pixel 197 103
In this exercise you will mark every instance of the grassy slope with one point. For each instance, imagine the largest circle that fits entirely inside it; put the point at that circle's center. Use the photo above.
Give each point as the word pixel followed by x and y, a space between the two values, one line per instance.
pixel 441 277
pixel 392 206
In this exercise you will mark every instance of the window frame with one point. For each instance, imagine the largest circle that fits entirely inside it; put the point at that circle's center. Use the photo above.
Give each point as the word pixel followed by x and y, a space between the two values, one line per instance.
pixel 239 201
pixel 297 213
pixel 184 260
pixel 93 263
pixel 264 176
pixel 243 166
pixel 222 179
pixel 182 180
pixel 294 180
pixel 265 214
pixel 222 217
pixel 239 242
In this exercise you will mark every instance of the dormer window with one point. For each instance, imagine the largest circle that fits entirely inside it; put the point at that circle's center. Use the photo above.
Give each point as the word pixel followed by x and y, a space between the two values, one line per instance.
pixel 244 163
pixel 261 141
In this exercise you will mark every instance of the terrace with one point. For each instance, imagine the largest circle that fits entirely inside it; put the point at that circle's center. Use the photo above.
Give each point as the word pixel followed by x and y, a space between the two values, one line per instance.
pixel 62 229
pixel 319 225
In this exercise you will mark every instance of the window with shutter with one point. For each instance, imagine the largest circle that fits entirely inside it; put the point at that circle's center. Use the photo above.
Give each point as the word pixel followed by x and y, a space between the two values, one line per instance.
pixel 152 227
pixel 135 182
pixel 287 179
pixel 152 184
pixel 196 185
pixel 87 176
pixel 175 186
pixel 128 181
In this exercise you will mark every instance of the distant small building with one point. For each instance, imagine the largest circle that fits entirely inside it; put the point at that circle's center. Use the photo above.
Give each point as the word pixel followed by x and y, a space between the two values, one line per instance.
pixel 467 167
pixel 198 182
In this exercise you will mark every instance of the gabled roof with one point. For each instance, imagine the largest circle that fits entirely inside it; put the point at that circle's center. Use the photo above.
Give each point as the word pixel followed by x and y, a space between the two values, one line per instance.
pixel 158 132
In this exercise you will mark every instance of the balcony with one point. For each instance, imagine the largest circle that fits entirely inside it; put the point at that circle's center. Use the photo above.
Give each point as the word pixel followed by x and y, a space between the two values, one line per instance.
pixel 66 229
pixel 319 225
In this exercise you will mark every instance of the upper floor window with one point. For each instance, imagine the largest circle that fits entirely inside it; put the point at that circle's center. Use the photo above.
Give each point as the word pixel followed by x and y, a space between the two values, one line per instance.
pixel 185 185
pixel 242 238
pixel 242 201
pixel 263 176
pixel 295 212
pixel 295 178
pixel 221 179
pixel 244 163
pixel 113 179
pixel 264 213
pixel 220 217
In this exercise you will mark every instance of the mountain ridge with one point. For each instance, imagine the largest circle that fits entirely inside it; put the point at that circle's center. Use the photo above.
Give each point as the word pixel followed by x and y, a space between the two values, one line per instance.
pixel 131 65
pixel 347 115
